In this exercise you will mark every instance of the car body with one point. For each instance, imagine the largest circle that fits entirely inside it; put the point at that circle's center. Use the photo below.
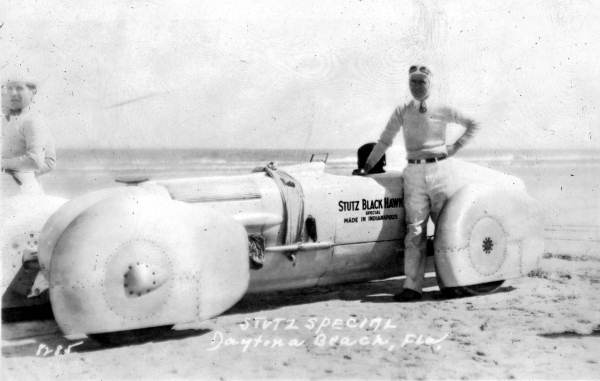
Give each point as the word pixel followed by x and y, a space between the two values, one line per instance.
pixel 166 252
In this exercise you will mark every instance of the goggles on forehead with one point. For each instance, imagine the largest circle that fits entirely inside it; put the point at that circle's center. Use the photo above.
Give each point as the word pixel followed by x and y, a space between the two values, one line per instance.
pixel 422 69
pixel 16 84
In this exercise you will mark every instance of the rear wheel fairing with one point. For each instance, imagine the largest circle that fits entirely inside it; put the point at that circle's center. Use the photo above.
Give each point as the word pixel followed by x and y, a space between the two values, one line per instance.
pixel 199 273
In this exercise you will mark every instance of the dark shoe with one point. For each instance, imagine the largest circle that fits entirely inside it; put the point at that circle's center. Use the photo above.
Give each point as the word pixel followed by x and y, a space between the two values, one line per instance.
pixel 408 295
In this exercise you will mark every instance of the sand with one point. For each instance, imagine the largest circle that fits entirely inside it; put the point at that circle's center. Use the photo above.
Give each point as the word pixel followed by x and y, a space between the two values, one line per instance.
pixel 544 326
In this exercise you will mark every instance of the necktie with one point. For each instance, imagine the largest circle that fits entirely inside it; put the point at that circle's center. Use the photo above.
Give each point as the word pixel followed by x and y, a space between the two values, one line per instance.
pixel 422 107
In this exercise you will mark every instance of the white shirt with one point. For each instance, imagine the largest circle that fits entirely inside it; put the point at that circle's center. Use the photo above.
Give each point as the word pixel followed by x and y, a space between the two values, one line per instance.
pixel 424 133
pixel 27 145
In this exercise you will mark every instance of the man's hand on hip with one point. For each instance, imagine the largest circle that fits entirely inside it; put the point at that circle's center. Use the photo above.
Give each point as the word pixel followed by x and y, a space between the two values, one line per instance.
pixel 452 149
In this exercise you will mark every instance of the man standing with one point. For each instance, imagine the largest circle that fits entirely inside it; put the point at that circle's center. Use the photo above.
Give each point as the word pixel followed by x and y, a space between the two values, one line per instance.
pixel 27 146
pixel 428 177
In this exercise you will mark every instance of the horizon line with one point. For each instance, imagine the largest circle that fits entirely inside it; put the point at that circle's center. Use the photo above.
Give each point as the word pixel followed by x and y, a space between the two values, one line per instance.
pixel 310 148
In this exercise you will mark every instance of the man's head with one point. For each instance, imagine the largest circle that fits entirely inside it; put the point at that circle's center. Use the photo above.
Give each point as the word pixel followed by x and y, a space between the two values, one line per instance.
pixel 17 94
pixel 419 81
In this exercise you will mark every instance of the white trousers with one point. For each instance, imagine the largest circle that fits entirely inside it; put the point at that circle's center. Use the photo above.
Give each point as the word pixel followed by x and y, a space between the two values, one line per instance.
pixel 426 188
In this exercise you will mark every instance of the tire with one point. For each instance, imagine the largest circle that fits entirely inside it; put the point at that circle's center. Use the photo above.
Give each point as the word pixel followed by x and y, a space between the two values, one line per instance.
pixel 472 290
pixel 134 336
pixel 482 288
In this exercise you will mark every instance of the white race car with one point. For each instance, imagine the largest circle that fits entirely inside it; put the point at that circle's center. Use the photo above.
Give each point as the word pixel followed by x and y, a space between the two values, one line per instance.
pixel 176 251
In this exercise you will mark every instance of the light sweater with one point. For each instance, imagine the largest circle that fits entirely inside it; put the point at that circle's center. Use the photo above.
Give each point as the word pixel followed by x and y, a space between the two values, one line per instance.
pixel 424 133
pixel 27 145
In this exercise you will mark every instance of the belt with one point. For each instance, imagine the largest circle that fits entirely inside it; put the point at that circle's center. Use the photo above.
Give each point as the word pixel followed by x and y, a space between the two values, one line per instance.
pixel 430 160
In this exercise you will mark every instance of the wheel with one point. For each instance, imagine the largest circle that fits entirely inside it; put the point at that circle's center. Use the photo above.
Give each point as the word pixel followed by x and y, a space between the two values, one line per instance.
pixel 163 263
pixel 134 336
pixel 472 290
pixel 483 288
pixel 484 236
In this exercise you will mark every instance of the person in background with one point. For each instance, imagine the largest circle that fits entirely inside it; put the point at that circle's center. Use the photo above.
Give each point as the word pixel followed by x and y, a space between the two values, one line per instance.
pixel 27 145
pixel 428 177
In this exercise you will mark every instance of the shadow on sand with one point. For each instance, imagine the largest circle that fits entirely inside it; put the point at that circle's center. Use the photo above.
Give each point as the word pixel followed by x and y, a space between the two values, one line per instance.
pixel 55 344
pixel 44 338
pixel 377 291
pixel 570 334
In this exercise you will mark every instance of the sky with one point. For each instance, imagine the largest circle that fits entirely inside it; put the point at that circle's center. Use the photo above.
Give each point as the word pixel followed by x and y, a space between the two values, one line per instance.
pixel 303 74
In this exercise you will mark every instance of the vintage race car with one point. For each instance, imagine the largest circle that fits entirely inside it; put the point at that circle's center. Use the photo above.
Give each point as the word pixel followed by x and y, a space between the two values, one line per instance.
pixel 167 252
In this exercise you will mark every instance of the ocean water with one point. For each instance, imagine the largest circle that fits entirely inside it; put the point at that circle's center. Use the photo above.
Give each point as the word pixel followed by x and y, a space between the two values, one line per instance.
pixel 565 182
pixel 79 171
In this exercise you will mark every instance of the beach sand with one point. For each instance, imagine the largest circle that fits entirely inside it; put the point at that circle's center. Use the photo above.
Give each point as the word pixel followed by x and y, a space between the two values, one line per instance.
pixel 543 326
